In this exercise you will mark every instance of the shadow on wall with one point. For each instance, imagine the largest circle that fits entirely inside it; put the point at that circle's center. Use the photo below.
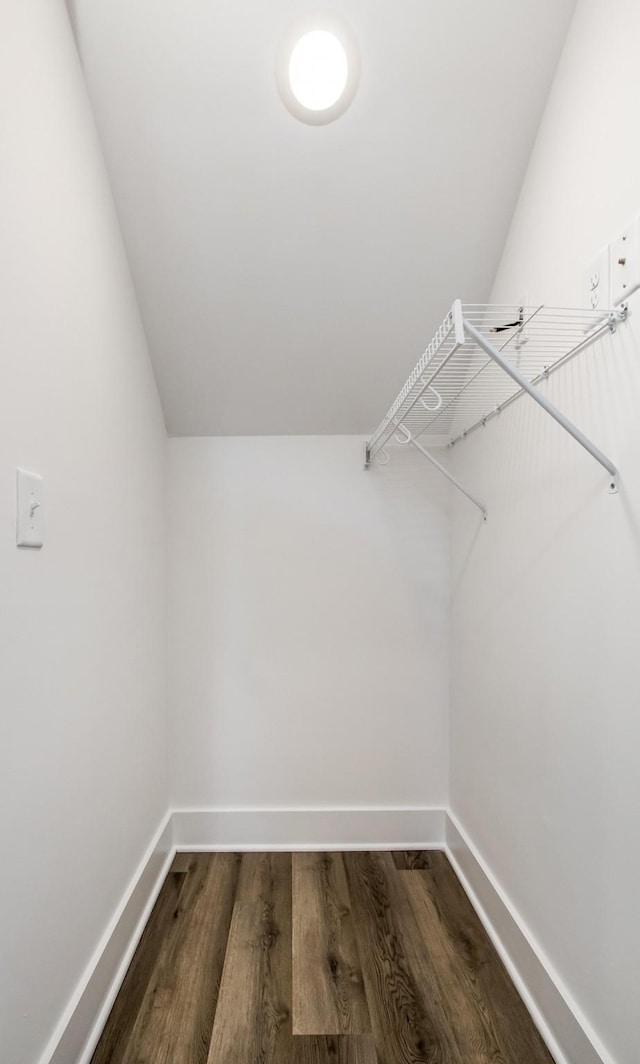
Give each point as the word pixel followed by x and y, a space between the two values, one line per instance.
pixel 414 502
pixel 73 16
pixel 542 490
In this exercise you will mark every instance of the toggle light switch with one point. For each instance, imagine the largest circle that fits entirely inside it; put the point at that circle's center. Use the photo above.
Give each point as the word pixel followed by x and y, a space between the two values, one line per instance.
pixel 30 525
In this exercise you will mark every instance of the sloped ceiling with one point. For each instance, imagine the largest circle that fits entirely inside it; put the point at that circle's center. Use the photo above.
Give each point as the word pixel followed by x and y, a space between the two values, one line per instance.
pixel 290 275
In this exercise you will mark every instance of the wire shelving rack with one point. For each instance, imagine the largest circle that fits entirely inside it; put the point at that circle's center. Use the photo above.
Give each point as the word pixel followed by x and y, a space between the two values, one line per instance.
pixel 481 359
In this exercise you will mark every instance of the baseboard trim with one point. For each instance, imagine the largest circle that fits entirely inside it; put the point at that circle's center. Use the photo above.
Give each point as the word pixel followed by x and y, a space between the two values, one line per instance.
pixel 564 1029
pixel 566 1032
pixel 81 1024
pixel 309 829
pixel 78 1031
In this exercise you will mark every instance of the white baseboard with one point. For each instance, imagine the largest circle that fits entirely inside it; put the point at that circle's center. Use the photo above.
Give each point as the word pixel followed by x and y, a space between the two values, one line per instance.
pixel 565 1031
pixel 309 829
pixel 77 1033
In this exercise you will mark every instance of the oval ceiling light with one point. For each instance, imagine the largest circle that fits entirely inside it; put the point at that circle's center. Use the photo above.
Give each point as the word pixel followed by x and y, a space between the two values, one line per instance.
pixel 318 67
pixel 318 70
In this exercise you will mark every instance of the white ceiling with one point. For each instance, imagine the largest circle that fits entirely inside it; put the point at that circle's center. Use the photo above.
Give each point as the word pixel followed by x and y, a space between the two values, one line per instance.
pixel 289 275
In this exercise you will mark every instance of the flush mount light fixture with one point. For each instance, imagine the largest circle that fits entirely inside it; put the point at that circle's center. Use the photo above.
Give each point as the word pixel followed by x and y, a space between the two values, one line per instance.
pixel 318 70
pixel 318 67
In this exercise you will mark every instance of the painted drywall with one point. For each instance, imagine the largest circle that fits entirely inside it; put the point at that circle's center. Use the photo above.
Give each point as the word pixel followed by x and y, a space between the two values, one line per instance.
pixel 266 250
pixel 82 624
pixel 308 604
pixel 546 597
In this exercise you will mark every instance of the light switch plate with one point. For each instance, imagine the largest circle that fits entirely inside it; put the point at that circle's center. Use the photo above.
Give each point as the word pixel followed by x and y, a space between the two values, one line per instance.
pixel 30 525
pixel 625 262
pixel 596 283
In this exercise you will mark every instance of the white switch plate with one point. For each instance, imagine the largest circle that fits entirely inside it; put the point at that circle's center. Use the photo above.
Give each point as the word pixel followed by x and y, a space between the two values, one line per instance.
pixel 625 262
pixel 30 516
pixel 596 283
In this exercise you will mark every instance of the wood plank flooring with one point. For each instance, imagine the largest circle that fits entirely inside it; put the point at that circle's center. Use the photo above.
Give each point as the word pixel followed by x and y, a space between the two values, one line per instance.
pixel 328 989
pixel 316 958
pixel 253 1017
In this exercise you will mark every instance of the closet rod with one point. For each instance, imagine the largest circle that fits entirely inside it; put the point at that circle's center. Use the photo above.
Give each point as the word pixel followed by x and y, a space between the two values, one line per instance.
pixel 473 376
pixel 607 325
pixel 542 401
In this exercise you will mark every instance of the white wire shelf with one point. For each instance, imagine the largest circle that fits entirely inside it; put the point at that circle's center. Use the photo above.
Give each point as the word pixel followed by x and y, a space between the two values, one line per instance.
pixel 482 358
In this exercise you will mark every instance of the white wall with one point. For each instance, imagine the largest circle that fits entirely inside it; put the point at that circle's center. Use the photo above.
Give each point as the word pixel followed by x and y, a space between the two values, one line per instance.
pixel 82 624
pixel 308 605
pixel 546 597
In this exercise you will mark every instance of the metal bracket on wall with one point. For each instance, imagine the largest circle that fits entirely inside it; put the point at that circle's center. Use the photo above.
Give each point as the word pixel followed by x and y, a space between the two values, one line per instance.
pixel 406 438
pixel 479 376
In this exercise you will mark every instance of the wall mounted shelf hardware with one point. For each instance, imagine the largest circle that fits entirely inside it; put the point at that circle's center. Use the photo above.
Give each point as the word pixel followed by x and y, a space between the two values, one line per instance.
pixel 481 359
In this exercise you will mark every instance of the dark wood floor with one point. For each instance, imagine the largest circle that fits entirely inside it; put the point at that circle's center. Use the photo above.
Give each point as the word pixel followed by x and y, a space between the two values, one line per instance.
pixel 316 958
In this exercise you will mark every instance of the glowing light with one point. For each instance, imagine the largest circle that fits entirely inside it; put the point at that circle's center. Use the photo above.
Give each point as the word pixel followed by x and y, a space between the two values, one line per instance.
pixel 318 70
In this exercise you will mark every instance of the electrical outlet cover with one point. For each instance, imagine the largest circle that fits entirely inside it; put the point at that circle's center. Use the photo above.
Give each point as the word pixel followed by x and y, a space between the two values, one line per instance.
pixel 625 262
pixel 596 282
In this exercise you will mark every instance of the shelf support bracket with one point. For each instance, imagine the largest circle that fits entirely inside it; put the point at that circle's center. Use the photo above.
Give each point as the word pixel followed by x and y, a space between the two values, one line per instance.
pixel 458 321
pixel 546 405
pixel 408 438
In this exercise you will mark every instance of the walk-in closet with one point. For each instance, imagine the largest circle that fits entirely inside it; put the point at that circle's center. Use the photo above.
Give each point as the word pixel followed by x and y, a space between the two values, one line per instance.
pixel 319 531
